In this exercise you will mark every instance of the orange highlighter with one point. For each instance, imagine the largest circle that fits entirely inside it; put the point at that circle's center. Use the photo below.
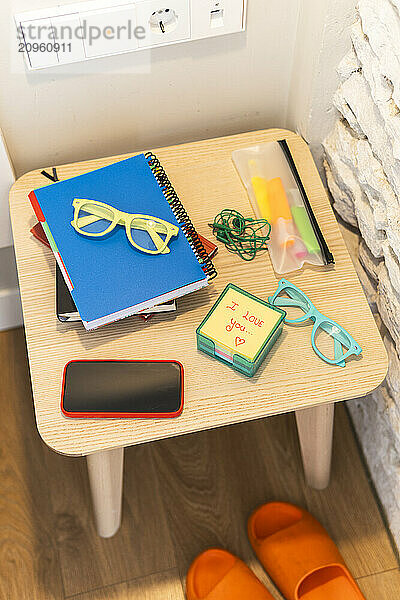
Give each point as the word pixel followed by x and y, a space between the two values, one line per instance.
pixel 273 205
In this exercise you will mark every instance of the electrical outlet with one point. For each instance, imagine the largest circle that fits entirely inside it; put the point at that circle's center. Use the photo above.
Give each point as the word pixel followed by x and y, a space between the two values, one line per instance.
pixel 164 21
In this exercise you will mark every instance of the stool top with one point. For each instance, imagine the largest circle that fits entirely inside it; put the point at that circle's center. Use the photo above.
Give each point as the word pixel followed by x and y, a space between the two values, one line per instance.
pixel 292 377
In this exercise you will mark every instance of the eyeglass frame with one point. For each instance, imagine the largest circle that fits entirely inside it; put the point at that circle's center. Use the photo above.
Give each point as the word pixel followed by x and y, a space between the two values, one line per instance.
pixel 126 219
pixel 340 335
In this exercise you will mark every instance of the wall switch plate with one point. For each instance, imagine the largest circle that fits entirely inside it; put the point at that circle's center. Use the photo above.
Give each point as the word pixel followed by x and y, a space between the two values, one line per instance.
pixel 107 22
pixel 42 53
pixel 151 23
pixel 71 47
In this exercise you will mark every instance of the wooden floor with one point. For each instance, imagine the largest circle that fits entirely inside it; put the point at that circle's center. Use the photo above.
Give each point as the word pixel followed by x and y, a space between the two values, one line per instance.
pixel 181 496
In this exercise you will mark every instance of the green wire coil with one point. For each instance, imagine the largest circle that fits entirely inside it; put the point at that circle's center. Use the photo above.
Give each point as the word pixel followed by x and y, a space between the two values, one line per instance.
pixel 240 235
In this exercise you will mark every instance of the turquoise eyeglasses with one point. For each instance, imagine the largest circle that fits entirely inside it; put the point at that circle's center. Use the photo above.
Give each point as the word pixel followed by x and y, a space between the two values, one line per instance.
pixel 290 296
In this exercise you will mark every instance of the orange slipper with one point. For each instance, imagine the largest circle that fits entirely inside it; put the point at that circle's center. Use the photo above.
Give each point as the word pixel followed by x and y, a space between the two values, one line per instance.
pixel 299 555
pixel 219 575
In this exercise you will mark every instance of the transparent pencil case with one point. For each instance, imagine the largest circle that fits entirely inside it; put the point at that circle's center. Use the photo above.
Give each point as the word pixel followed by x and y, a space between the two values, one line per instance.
pixel 277 194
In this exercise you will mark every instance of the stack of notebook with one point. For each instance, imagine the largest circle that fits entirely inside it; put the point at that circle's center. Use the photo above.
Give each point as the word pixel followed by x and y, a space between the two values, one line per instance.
pixel 65 307
pixel 123 242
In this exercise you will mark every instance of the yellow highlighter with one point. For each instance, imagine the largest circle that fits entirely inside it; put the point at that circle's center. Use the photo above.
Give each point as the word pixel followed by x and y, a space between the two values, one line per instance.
pixel 260 188
pixel 273 205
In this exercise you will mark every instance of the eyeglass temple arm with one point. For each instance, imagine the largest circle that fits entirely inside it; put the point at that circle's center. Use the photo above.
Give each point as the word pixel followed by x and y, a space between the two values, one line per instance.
pixel 337 334
pixel 158 241
pixel 338 337
pixel 282 302
pixel 103 213
pixel 338 352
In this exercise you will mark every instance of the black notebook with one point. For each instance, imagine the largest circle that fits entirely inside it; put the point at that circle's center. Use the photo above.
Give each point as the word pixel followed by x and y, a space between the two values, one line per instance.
pixel 67 311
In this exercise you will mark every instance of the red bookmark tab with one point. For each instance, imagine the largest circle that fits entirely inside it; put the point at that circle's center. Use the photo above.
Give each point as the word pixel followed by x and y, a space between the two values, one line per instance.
pixel 36 207
pixel 38 232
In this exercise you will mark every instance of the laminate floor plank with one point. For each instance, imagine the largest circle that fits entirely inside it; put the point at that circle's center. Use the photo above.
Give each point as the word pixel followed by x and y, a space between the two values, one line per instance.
pixel 381 586
pixel 142 545
pixel 29 561
pixel 348 508
pixel 161 586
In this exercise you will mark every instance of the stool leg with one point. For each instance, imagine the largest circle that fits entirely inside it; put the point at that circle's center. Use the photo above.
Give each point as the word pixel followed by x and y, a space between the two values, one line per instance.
pixel 315 428
pixel 105 476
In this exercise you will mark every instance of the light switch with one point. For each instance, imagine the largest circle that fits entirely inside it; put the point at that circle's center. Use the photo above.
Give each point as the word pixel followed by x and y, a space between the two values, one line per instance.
pixel 163 23
pixel 68 32
pixel 39 43
pixel 110 31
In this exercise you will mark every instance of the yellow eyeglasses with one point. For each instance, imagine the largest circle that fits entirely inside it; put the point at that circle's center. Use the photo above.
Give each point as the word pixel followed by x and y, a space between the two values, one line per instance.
pixel 106 218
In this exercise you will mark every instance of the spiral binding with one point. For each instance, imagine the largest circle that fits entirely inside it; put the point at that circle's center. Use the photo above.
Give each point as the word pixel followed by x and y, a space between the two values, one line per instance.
pixel 181 215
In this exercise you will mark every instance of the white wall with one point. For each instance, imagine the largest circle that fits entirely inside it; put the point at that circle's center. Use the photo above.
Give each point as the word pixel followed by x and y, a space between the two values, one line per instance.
pixel 322 40
pixel 194 90
pixel 6 180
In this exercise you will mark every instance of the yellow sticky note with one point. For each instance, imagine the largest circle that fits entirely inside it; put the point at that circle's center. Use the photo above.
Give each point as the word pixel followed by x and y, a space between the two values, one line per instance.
pixel 240 322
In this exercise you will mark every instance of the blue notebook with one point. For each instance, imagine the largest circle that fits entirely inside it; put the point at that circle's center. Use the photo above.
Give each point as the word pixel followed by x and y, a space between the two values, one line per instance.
pixel 103 259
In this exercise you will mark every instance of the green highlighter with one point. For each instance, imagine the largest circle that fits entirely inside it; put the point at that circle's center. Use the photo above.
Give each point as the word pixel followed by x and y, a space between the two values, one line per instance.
pixel 302 221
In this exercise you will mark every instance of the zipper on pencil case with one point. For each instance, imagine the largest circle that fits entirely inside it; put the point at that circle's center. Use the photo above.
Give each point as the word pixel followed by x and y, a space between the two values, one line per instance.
pixel 326 253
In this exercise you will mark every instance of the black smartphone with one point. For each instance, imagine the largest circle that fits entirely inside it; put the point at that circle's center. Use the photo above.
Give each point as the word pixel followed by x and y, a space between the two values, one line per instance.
pixel 122 388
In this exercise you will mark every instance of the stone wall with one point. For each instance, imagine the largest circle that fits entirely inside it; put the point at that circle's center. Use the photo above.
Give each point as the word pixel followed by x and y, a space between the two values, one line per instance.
pixel 362 163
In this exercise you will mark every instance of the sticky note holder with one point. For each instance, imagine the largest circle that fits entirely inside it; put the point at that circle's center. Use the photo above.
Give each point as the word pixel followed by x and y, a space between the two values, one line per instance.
pixel 240 330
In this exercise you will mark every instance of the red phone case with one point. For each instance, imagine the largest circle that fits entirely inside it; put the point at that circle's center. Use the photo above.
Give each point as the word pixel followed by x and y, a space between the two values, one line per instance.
pixel 122 415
